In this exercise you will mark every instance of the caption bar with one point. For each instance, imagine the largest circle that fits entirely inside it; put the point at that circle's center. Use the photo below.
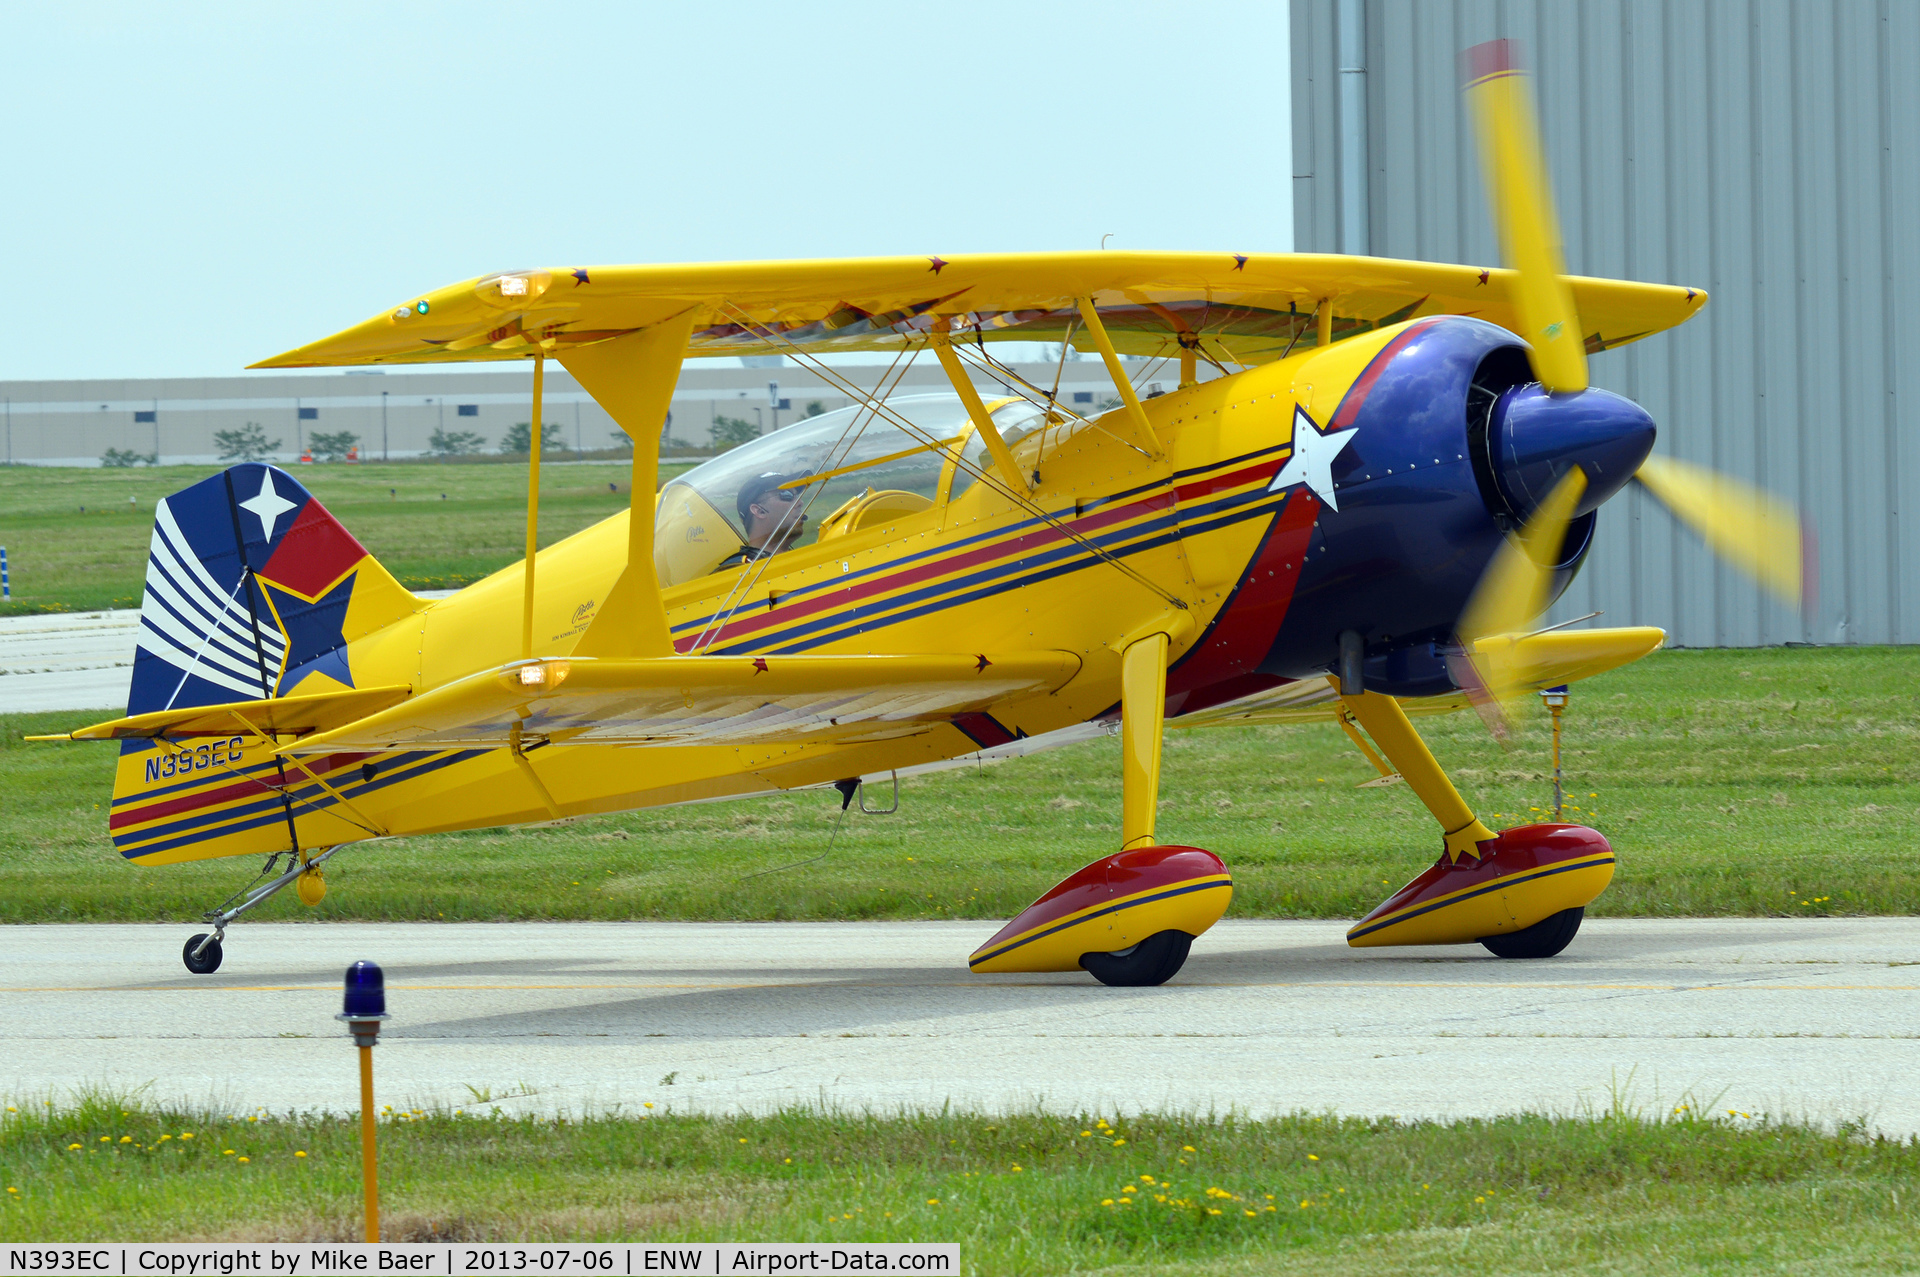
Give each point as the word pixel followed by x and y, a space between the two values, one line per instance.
pixel 620 1259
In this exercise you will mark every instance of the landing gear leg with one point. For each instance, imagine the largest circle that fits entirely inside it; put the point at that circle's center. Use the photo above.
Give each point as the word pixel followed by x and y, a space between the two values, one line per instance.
pixel 203 952
pixel 1521 893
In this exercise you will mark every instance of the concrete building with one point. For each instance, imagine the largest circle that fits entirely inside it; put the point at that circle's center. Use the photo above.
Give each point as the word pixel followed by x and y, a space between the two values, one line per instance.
pixel 75 423
pixel 1766 151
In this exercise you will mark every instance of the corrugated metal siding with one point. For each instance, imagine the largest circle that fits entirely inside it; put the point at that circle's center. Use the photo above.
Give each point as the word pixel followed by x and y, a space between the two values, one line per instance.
pixel 1764 150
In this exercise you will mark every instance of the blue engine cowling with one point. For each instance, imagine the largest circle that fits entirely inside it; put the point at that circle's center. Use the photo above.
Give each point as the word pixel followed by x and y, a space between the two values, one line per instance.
pixel 1455 445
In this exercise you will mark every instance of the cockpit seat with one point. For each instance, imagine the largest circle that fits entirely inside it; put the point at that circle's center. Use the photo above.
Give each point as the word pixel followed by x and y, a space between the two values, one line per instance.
pixel 870 509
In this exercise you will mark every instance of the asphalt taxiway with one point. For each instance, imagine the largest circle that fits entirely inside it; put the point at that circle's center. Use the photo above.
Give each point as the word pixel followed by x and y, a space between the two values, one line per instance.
pixel 1813 1018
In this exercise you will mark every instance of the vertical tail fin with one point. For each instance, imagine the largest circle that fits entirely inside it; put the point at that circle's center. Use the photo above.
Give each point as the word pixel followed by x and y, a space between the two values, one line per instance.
pixel 252 588
pixel 253 591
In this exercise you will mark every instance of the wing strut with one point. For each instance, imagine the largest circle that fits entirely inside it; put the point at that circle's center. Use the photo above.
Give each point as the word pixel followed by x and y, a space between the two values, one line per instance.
pixel 1143 428
pixel 633 377
pixel 533 504
pixel 982 423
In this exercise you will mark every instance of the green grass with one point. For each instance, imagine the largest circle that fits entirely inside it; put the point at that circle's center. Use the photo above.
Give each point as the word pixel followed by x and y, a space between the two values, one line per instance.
pixel 1730 782
pixel 76 543
pixel 1613 1192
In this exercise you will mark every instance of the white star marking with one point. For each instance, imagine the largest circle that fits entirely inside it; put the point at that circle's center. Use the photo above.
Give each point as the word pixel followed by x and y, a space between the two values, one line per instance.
pixel 1313 457
pixel 269 505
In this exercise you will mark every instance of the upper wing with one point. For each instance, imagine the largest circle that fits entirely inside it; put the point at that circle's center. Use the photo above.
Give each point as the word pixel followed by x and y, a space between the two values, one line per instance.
pixel 700 700
pixel 1250 308
pixel 1551 659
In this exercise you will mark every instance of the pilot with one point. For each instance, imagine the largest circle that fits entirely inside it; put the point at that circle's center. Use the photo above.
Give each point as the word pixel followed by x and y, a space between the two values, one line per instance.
pixel 767 513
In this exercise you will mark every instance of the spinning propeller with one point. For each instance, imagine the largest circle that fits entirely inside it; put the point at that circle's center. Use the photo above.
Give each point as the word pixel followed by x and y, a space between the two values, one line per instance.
pixel 1561 448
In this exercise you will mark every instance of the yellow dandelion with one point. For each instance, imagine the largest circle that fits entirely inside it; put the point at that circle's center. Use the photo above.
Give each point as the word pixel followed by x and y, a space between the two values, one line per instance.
pixel 126 1139
pixel 1479 1201
pixel 1213 1210
pixel 1313 1157
pixel 789 1161
pixel 300 1152
pixel 163 1139
pixel 1188 1148
pixel 1016 1166
pixel 1085 1134
pixel 72 1147
pixel 743 1140
pixel 1106 1201
pixel 226 1152
pixel 1247 1213
pixel 649 1103
pixel 245 1160
pixel 1118 1143
pixel 933 1201
pixel 186 1135
pixel 106 1139
pixel 1304 1204
pixel 1146 1179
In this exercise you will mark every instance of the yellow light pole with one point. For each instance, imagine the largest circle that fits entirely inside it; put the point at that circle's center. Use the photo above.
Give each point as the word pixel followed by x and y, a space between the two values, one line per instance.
pixel 365 1006
pixel 1556 701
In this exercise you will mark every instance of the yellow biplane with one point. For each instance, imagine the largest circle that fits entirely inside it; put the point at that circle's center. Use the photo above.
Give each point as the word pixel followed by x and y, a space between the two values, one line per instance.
pixel 1372 478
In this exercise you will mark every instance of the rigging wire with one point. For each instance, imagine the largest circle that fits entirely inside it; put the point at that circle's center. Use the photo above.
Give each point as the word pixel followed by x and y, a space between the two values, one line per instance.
pixel 988 476
pixel 797 510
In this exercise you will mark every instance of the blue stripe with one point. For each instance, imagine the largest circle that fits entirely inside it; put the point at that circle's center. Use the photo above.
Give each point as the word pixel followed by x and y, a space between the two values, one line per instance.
pixel 309 798
pixel 840 627
pixel 953 547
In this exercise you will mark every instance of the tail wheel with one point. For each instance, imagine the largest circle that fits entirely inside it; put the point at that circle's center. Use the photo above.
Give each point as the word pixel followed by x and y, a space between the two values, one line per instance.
pixel 1542 939
pixel 1155 960
pixel 209 960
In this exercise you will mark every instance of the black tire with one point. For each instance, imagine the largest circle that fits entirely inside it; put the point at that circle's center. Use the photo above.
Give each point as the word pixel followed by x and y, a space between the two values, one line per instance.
pixel 1542 940
pixel 209 960
pixel 1155 960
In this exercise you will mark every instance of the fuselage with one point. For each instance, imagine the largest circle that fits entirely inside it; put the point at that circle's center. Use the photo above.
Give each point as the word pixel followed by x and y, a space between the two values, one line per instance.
pixel 1252 566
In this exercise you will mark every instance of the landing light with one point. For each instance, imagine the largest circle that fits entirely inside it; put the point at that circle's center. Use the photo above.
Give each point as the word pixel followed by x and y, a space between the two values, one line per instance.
pixel 539 674
pixel 513 286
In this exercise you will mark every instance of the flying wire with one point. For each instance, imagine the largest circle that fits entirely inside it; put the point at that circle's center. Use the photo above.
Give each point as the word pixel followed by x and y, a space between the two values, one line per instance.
pixel 797 510
pixel 990 477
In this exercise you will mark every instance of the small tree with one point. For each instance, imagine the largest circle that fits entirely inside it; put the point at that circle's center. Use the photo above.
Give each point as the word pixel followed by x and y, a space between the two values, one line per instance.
pixel 249 443
pixel 454 443
pixel 621 439
pixel 115 458
pixel 731 432
pixel 332 445
pixel 815 408
pixel 521 437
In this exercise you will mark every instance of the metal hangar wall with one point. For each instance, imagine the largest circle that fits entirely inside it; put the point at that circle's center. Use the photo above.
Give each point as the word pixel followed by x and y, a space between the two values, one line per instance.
pixel 1764 150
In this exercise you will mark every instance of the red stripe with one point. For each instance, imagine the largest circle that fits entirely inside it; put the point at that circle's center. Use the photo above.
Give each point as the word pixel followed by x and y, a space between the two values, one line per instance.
pixel 1024 543
pixel 1363 384
pixel 1220 483
pixel 984 730
pixel 226 793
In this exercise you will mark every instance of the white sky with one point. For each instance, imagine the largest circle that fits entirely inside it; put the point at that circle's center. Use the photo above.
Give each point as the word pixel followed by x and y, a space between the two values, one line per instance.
pixel 195 187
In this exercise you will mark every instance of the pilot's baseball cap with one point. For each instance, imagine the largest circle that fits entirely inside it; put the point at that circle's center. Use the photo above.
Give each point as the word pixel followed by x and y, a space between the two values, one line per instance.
pixel 760 485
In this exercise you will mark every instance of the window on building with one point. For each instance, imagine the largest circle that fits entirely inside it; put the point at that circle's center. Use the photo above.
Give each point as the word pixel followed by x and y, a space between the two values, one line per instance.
pixel 309 414
pixel 1083 396
pixel 143 418
pixel 469 410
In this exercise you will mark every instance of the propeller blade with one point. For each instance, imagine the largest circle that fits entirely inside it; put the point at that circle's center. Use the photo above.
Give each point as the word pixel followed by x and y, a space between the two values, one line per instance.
pixel 1501 99
pixel 1512 593
pixel 1755 531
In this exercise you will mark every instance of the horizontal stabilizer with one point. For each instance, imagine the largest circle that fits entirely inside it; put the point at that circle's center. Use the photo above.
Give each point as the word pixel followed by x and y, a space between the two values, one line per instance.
pixel 286 716
pixel 700 700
